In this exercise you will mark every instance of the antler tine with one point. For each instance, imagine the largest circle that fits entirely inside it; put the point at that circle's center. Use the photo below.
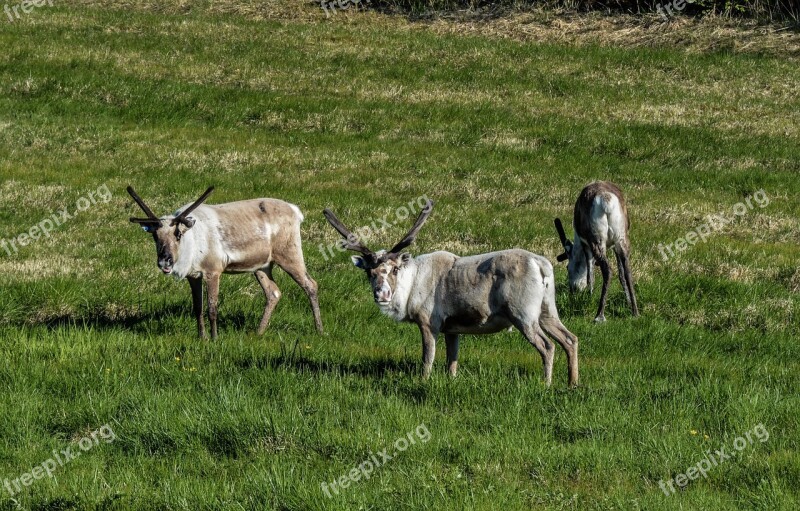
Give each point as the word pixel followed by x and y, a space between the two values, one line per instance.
pixel 408 239
pixel 564 241
pixel 351 240
pixel 561 234
pixel 144 220
pixel 140 202
pixel 186 212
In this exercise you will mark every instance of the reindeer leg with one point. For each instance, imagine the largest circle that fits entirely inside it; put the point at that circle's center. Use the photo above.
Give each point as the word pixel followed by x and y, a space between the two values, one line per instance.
pixel 629 278
pixel 589 271
pixel 552 325
pixel 428 349
pixel 311 290
pixel 212 284
pixel 196 284
pixel 296 268
pixel 309 285
pixel 534 334
pixel 568 341
pixel 605 269
pixel 272 294
pixel 452 353
pixel 621 276
pixel 626 279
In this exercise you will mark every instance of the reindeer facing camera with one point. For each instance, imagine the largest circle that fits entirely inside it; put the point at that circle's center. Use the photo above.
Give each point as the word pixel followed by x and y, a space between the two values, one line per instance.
pixel 249 236
pixel 600 222
pixel 481 294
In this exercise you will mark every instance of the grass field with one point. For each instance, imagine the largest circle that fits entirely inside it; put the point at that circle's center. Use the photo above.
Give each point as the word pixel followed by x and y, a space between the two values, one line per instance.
pixel 364 113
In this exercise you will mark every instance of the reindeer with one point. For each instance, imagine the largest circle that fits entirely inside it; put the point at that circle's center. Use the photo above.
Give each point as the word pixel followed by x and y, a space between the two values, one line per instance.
pixel 481 294
pixel 249 236
pixel 600 222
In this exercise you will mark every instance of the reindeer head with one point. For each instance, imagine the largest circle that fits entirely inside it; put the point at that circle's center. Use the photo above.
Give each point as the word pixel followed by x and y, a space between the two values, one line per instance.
pixel 382 267
pixel 168 230
pixel 577 267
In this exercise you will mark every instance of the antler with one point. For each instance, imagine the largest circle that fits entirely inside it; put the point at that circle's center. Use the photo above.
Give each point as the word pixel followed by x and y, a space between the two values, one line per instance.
pixel 408 239
pixel 351 240
pixel 564 241
pixel 182 218
pixel 151 217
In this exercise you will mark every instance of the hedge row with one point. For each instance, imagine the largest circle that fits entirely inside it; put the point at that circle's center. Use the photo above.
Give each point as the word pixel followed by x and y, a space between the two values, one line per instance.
pixel 768 10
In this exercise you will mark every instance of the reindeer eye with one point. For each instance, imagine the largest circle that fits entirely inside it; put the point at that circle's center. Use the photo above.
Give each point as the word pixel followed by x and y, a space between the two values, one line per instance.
pixel 395 270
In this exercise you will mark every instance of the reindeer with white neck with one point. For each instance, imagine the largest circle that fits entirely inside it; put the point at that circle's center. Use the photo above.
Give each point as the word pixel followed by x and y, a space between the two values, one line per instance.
pixel 249 236
pixel 600 222
pixel 481 294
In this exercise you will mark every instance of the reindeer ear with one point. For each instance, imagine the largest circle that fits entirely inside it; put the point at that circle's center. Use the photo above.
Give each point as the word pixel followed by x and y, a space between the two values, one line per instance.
pixel 358 261
pixel 404 258
pixel 146 226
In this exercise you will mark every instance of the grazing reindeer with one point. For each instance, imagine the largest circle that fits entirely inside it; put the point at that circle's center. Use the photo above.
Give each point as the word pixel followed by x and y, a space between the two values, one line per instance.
pixel 249 236
pixel 600 222
pixel 480 294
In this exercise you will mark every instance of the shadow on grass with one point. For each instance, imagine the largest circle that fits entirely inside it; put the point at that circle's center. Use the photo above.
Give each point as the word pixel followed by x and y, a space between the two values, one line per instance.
pixel 101 320
pixel 57 504
pixel 170 318
pixel 368 368
pixel 583 304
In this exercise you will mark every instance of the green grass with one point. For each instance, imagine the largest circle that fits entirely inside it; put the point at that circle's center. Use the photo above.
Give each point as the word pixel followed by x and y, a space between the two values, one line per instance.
pixel 363 114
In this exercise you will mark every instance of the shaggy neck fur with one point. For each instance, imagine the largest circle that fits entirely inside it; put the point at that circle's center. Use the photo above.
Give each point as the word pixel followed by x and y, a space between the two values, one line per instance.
pixel 185 265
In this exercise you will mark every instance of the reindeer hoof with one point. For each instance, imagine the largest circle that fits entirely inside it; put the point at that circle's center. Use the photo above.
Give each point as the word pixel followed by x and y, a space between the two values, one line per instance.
pixel 600 319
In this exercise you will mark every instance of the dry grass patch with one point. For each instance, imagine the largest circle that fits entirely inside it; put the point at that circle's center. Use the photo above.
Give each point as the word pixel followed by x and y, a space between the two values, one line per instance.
pixel 26 196
pixel 626 31
pixel 33 268
pixel 545 26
